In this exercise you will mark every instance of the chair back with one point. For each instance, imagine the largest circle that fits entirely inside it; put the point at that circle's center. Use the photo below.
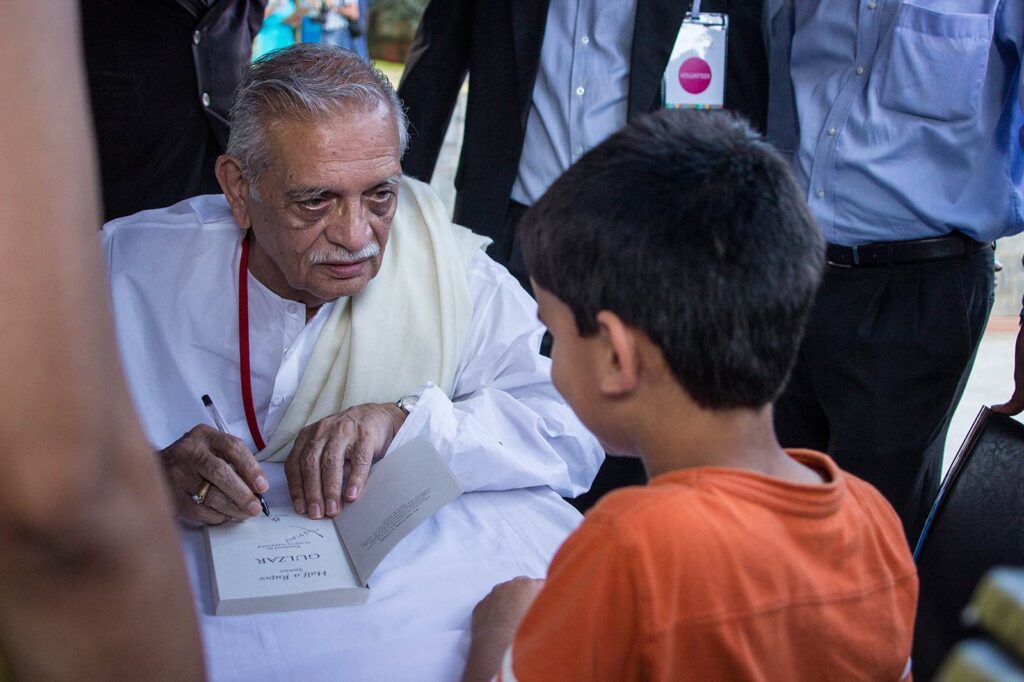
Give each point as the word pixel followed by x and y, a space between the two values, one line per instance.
pixel 976 522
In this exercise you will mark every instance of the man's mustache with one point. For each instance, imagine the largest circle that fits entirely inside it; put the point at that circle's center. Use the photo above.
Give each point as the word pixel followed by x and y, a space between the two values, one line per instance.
pixel 340 254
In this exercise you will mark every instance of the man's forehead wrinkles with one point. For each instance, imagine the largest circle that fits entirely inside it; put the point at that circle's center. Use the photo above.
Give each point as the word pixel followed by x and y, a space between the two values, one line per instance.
pixel 341 157
pixel 320 156
pixel 348 152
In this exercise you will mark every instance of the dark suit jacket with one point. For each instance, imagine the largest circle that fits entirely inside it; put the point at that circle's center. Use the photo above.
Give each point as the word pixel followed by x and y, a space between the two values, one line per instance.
pixel 157 140
pixel 498 42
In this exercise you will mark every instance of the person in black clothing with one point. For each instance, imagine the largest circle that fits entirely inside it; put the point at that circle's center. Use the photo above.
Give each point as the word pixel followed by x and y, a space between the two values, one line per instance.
pixel 161 75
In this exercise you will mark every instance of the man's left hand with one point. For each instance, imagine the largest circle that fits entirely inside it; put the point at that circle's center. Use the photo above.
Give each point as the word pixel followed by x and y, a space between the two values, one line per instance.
pixel 335 450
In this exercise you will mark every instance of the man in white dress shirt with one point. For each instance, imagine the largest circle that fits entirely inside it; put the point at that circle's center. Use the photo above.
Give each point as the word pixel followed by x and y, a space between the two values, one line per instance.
pixel 328 307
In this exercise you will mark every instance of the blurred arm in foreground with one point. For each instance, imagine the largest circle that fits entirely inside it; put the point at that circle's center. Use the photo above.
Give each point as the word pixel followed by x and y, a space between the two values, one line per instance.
pixel 92 584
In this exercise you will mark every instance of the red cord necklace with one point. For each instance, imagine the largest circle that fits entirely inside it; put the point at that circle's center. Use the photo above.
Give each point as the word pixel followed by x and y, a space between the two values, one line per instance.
pixel 243 346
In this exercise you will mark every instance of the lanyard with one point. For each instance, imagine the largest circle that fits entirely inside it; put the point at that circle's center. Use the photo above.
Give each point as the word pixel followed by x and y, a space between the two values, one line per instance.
pixel 243 346
pixel 695 75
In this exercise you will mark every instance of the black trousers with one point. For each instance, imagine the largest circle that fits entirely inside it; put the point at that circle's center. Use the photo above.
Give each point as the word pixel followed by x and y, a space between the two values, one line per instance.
pixel 882 366
pixel 615 472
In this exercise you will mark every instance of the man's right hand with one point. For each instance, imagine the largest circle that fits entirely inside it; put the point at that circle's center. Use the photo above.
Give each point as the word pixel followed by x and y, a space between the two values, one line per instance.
pixel 205 454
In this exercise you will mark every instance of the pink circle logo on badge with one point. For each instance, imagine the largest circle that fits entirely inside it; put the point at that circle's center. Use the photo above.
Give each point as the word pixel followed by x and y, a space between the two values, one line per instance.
pixel 695 75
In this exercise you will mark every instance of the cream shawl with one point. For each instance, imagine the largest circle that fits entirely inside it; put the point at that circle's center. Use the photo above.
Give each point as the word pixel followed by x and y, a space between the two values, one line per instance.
pixel 407 327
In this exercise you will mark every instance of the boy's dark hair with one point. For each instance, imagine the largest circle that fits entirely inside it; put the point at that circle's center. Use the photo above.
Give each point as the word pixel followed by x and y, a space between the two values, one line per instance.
pixel 690 228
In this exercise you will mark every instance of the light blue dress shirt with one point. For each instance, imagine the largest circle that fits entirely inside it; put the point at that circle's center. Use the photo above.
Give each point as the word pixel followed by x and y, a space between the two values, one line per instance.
pixel 903 117
pixel 581 91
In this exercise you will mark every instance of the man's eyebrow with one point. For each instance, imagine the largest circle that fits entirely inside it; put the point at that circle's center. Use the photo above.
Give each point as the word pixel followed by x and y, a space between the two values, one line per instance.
pixel 393 180
pixel 306 193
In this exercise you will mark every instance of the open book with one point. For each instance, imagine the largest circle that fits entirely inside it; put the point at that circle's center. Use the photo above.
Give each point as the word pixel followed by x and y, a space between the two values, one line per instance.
pixel 289 561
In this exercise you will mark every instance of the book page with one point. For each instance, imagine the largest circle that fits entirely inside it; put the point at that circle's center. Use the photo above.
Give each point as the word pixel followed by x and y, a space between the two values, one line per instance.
pixel 404 489
pixel 286 554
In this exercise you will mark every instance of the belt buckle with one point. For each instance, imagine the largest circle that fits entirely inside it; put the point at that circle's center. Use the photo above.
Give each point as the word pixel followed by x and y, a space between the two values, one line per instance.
pixel 855 263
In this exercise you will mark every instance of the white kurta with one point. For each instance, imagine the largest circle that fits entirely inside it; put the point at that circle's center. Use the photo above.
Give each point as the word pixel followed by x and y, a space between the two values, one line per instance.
pixel 174 287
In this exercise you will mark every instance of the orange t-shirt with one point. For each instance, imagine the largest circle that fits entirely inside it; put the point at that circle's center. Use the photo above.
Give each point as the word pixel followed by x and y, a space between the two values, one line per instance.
pixel 722 574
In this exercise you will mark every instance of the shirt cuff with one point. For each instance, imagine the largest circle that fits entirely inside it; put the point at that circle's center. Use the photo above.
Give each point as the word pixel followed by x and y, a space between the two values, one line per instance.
pixel 419 421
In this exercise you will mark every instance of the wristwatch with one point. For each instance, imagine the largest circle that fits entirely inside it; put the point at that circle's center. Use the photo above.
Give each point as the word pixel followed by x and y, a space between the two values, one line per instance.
pixel 406 403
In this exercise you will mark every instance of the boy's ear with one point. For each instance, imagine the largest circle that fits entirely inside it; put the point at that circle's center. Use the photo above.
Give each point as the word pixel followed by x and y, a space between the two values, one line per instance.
pixel 235 188
pixel 620 365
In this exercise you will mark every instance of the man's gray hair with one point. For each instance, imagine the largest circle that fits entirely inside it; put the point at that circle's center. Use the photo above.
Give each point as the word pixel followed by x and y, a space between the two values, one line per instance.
pixel 307 81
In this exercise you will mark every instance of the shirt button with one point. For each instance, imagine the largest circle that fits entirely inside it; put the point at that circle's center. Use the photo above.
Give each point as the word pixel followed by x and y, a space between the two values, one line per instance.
pixel 196 37
pixel 872 4
pixel 820 193
pixel 579 149
pixel 206 99
pixel 831 132
pixel 580 90
pixel 277 401
pixel 293 307
pixel 585 40
pixel 860 70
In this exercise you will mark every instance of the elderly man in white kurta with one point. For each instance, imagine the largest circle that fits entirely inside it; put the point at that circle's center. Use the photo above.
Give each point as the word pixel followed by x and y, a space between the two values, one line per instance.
pixel 331 310
pixel 359 304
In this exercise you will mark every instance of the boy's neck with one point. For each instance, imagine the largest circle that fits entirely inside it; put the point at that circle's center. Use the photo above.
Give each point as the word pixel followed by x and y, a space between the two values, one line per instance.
pixel 737 439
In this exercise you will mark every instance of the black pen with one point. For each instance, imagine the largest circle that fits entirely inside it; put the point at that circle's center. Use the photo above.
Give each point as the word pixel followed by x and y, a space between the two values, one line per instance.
pixel 223 428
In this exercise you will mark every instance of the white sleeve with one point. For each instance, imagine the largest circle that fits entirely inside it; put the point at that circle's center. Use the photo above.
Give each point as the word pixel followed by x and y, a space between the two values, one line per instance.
pixel 507 427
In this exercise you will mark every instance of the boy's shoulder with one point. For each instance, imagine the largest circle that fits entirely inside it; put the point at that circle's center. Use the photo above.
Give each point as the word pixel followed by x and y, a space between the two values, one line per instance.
pixel 701 558
pixel 698 519
pixel 681 513
pixel 624 508
pixel 685 499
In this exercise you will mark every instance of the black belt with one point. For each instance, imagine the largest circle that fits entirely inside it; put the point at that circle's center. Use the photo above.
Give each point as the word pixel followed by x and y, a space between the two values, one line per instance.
pixel 888 254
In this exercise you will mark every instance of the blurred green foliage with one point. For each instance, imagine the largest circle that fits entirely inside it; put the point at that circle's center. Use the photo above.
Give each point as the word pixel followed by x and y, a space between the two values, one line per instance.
pixel 396 19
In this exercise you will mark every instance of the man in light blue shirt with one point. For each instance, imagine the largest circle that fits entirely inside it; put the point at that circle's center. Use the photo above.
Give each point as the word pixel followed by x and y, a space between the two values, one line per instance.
pixel 901 117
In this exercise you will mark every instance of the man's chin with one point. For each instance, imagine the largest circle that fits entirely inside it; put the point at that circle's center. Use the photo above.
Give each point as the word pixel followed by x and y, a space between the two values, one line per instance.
pixel 339 280
pixel 341 288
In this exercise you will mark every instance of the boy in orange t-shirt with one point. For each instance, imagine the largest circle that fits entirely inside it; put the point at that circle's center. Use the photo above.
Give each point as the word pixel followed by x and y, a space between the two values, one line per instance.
pixel 674 266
